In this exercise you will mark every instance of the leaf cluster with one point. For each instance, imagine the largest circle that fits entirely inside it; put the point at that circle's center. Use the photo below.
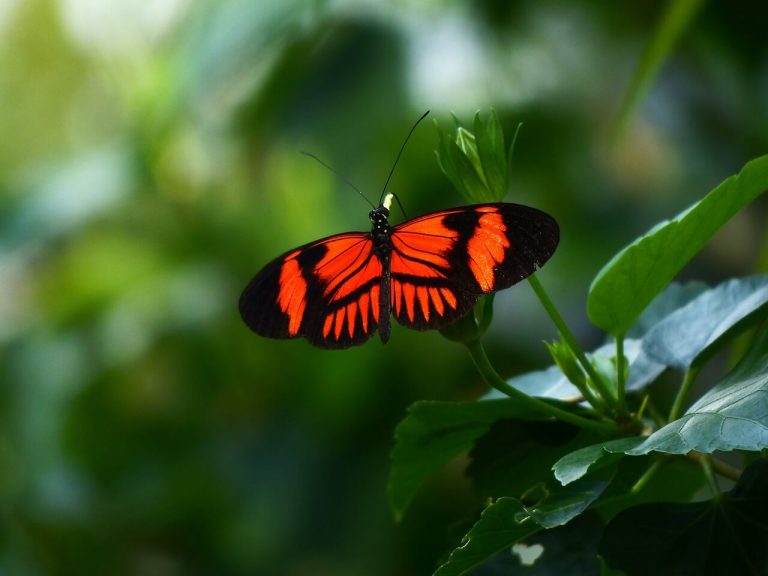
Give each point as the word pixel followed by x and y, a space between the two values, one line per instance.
pixel 597 437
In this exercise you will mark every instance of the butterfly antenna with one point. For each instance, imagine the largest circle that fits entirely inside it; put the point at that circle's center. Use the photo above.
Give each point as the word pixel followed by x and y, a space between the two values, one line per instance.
pixel 400 204
pixel 392 171
pixel 339 176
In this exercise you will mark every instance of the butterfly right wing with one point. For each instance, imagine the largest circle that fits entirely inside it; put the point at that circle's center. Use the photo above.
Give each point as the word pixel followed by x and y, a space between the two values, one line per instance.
pixel 444 261
pixel 326 291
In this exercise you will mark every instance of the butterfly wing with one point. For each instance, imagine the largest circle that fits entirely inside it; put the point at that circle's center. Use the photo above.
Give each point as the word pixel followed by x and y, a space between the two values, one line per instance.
pixel 326 291
pixel 443 262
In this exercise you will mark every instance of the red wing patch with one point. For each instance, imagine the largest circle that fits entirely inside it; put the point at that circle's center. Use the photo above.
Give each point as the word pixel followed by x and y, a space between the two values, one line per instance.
pixel 326 291
pixel 486 247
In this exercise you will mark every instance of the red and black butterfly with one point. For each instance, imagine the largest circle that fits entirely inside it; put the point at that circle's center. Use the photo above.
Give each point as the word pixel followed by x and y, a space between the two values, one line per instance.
pixel 427 272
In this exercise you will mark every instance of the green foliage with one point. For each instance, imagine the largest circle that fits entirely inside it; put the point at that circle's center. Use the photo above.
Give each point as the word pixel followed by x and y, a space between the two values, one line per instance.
pixel 688 336
pixel 507 521
pixel 733 415
pixel 619 464
pixel 576 464
pixel 637 274
pixel 725 535
pixel 433 433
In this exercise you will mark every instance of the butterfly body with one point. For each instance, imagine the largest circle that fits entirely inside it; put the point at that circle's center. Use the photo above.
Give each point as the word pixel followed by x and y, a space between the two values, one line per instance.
pixel 382 247
pixel 426 272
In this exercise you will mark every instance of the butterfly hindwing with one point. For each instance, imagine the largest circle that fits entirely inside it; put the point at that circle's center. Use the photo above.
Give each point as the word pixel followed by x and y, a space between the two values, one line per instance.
pixel 443 262
pixel 326 291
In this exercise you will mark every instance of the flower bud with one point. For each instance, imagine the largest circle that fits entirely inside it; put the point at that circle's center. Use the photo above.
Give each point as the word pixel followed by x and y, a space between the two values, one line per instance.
pixel 475 162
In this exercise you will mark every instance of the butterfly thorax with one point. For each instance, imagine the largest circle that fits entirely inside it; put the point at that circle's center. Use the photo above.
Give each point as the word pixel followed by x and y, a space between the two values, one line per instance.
pixel 381 230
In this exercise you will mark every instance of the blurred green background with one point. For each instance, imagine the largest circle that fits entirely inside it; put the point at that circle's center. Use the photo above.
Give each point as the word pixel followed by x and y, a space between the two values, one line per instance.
pixel 150 165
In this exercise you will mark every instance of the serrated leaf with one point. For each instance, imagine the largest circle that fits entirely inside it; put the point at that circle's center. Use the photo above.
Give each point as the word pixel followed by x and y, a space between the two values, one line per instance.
pixel 508 521
pixel 433 433
pixel 573 466
pixel 726 535
pixel 630 281
pixel 687 334
pixel 731 416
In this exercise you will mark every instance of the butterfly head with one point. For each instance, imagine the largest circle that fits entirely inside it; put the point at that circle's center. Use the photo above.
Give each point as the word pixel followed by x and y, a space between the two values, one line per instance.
pixel 380 216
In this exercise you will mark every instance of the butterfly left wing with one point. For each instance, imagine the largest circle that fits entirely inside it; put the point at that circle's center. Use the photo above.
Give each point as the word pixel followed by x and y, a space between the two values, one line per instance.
pixel 326 291
pixel 443 262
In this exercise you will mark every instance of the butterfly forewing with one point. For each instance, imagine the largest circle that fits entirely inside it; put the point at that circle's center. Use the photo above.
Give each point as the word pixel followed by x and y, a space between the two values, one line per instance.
pixel 443 262
pixel 326 291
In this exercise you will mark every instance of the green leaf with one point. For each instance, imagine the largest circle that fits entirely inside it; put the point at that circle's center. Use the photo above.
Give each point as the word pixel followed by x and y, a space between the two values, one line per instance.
pixel 685 335
pixel 465 140
pixel 566 361
pixel 726 535
pixel 433 433
pixel 547 383
pixel 573 466
pixel 564 503
pixel 731 416
pixel 630 281
pixel 604 366
pixel 490 147
pixel 496 529
pixel 461 168
pixel 508 521
pixel 444 160
pixel 514 455
pixel 673 297
pixel 472 185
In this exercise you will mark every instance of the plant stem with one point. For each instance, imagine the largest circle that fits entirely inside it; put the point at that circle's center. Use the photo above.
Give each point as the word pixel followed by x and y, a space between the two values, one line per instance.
pixel 706 464
pixel 602 387
pixel 647 475
pixel 677 405
pixel 722 468
pixel 493 379
pixel 596 401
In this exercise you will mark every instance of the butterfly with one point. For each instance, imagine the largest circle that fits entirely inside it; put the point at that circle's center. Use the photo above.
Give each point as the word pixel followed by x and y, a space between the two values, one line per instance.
pixel 427 272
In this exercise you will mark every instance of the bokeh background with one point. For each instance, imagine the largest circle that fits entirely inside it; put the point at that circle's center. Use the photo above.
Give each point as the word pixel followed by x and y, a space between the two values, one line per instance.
pixel 150 164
